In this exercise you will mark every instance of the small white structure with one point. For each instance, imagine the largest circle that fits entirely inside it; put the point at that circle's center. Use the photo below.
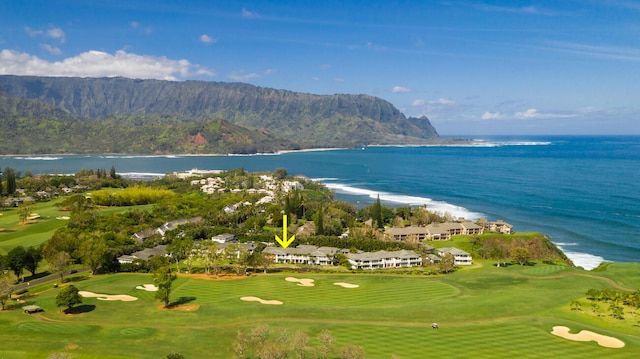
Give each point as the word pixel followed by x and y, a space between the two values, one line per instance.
pixel 291 185
pixel 460 257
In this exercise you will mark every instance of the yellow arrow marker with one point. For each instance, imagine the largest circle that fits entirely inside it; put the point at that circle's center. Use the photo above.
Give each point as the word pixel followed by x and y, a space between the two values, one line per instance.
pixel 285 242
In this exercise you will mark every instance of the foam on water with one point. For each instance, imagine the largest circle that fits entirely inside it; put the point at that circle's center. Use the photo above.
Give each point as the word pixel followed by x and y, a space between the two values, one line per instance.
pixel 584 260
pixel 436 206
pixel 485 143
pixel 34 158
pixel 138 156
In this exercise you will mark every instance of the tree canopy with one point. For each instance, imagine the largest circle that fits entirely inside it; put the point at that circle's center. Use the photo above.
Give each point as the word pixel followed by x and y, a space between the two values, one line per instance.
pixel 68 297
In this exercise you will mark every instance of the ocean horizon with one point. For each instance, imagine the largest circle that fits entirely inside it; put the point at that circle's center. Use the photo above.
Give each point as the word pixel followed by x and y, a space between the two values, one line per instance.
pixel 578 190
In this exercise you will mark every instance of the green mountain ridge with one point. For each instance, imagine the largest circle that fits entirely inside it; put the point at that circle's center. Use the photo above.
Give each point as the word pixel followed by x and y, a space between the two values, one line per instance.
pixel 262 119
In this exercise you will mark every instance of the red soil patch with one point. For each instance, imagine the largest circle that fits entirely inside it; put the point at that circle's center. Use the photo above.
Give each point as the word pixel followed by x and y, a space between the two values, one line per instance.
pixel 183 308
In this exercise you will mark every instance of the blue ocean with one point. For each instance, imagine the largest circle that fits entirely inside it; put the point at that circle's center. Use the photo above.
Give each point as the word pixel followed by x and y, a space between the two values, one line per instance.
pixel 581 191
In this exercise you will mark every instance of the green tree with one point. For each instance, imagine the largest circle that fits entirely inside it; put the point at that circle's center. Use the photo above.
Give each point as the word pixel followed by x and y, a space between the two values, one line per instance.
pixel 180 248
pixel 265 261
pixel 112 173
pixel 175 355
pixel 616 311
pixel 24 211
pixel 210 256
pixel 83 215
pixel 32 259
pixel 59 263
pixel 593 294
pixel 319 221
pixel 163 279
pixel 68 297
pixel 94 251
pixel 237 256
pixel 499 252
pixel 447 263
pixel 16 260
pixel 575 305
pixel 521 255
pixel 6 288
pixel 280 173
pixel 10 176
pixel 376 213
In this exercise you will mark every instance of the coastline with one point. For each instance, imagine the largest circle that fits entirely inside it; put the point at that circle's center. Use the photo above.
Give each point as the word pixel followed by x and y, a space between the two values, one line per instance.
pixel 142 155
pixel 479 185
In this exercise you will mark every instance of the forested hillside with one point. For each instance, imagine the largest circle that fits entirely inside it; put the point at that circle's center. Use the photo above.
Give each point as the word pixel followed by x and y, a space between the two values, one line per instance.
pixel 304 120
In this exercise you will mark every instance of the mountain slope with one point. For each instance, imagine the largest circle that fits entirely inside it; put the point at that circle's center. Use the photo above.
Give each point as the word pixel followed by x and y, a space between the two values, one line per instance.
pixel 29 126
pixel 306 119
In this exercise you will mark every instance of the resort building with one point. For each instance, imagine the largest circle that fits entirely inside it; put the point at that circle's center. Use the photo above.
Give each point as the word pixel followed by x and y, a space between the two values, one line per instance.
pixel 224 237
pixel 304 254
pixel 460 257
pixel 144 255
pixel 384 259
pixel 499 226
pixel 433 232
pixel 408 234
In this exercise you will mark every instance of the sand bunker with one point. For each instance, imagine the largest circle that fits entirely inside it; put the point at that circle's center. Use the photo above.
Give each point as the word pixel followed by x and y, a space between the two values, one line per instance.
pixel 122 297
pixel 263 301
pixel 148 287
pixel 303 282
pixel 586 336
pixel 346 285
pixel 64 218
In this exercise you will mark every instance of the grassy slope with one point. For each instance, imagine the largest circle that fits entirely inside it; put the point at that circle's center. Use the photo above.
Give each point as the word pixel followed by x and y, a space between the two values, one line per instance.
pixel 484 311
pixel 36 232
pixel 33 233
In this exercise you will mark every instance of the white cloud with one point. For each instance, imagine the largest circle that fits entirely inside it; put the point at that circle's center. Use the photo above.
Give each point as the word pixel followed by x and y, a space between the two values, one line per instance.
pixel 204 38
pixel 491 116
pixel 248 13
pixel 417 102
pixel 53 33
pixel 512 9
pixel 594 51
pixel 33 32
pixel 241 76
pixel 101 64
pixel 532 113
pixel 56 33
pixel 442 101
pixel 136 25
pixel 51 49
pixel 400 89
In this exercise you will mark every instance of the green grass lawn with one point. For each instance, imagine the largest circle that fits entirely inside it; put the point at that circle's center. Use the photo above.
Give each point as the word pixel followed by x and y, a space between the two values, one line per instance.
pixel 486 312
pixel 36 232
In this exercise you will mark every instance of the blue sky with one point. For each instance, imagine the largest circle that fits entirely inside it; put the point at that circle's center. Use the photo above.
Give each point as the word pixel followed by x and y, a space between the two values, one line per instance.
pixel 472 67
